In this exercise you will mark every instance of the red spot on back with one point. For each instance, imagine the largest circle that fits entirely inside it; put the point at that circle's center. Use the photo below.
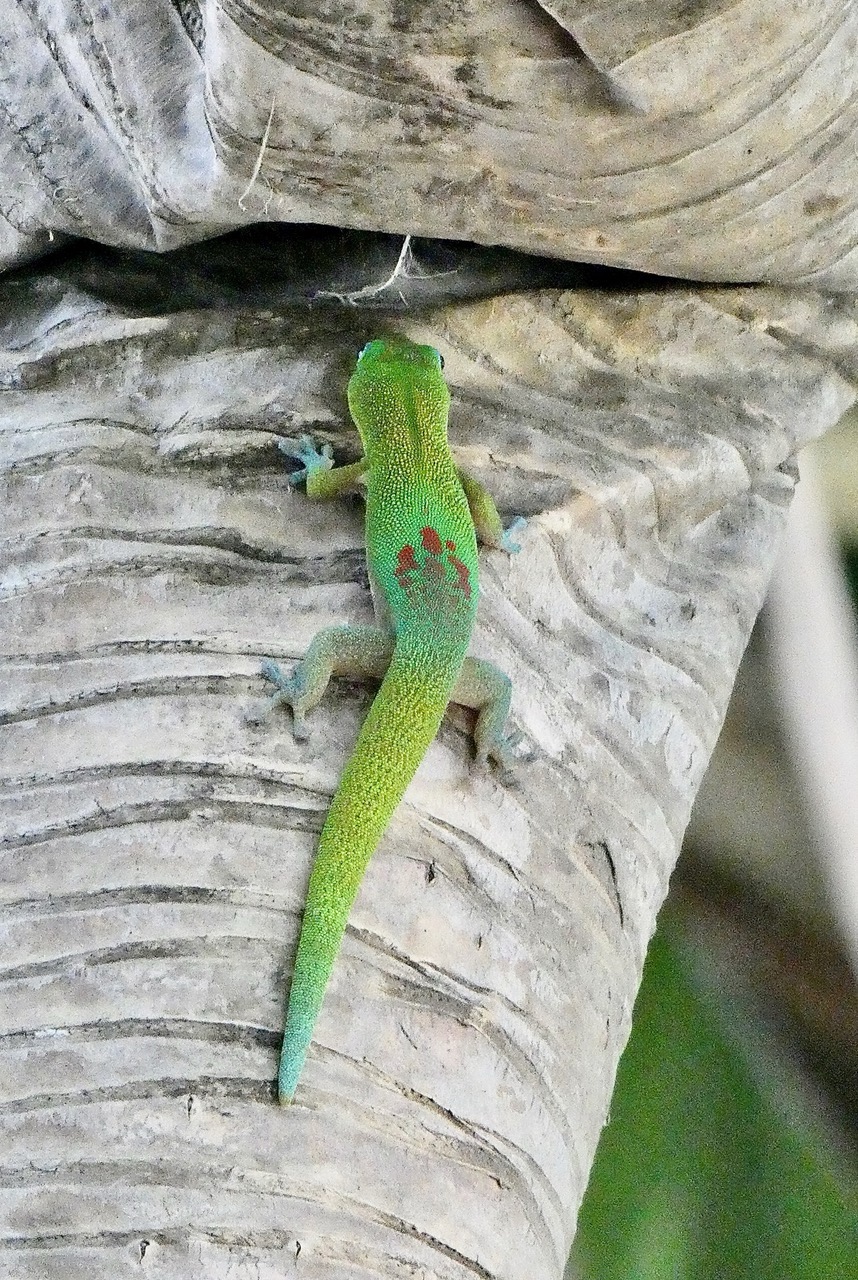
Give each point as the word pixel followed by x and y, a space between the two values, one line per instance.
pixel 463 576
pixel 431 541
pixel 429 572
pixel 405 559
pixel 405 562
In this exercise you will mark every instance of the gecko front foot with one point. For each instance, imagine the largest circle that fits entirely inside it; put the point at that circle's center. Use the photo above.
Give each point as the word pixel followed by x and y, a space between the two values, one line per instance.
pixel 304 449
pixel 288 692
pixel 507 543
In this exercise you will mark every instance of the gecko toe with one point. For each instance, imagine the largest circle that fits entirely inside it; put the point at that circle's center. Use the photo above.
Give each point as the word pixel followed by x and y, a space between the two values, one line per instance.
pixel 271 672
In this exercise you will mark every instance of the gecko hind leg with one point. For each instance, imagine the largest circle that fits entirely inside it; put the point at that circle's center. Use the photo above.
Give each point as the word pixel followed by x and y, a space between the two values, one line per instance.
pixel 485 688
pixel 361 652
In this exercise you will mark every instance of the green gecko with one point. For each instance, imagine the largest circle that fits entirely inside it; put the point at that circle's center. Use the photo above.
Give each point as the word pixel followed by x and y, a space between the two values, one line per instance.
pixel 423 516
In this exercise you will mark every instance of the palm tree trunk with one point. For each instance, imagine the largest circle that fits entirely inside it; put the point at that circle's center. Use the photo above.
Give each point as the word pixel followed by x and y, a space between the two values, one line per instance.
pixel 158 844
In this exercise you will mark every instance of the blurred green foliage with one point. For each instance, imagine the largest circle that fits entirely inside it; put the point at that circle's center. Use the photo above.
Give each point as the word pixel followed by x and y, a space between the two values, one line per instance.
pixel 850 563
pixel 711 1169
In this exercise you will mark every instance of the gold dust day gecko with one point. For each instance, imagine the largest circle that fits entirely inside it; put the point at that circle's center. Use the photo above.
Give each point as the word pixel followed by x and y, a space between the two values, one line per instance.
pixel 423 518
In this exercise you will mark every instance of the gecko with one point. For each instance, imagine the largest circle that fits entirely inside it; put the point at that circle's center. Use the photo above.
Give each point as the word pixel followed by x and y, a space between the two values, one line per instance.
pixel 423 517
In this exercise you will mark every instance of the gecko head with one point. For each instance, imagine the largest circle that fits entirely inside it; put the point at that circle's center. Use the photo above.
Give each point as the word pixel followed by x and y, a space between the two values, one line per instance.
pixel 400 351
pixel 397 386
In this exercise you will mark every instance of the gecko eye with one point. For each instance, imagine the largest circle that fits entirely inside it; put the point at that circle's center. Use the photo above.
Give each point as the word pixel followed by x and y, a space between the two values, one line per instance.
pixel 374 345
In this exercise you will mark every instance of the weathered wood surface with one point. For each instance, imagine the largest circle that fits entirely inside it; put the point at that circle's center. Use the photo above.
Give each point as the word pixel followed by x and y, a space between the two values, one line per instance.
pixel 157 846
pixel 712 141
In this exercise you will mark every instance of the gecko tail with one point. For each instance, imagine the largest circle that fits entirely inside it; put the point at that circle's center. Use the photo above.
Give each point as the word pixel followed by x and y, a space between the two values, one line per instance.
pixel 398 729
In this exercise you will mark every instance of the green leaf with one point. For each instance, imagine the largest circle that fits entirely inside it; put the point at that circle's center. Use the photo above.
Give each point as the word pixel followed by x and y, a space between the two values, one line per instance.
pixel 709 1169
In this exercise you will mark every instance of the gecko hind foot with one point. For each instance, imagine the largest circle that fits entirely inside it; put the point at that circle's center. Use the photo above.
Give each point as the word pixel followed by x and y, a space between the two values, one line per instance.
pixel 271 671
pixel 288 692
pixel 503 753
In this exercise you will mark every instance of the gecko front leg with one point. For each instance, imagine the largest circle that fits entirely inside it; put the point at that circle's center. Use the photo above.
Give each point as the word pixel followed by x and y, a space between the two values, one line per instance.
pixel 487 521
pixel 323 479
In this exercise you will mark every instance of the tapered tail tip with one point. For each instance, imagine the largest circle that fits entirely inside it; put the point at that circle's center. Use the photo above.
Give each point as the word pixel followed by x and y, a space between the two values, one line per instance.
pixel 294 1052
pixel 287 1079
